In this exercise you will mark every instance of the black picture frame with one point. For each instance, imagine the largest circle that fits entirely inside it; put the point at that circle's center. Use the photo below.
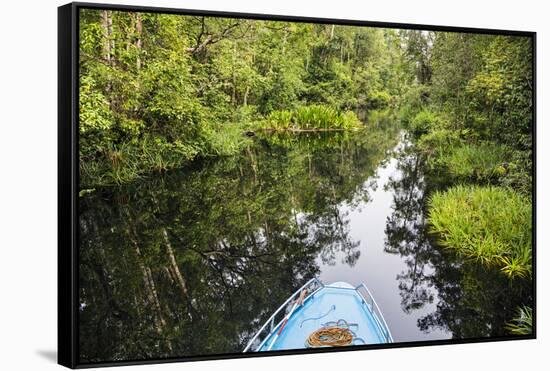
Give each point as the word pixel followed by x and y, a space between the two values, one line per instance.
pixel 68 179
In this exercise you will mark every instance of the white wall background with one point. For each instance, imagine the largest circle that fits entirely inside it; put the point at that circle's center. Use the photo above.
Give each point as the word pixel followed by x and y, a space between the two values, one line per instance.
pixel 28 155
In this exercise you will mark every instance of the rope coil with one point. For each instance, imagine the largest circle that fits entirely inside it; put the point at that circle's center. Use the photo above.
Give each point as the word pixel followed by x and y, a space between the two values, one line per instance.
pixel 334 334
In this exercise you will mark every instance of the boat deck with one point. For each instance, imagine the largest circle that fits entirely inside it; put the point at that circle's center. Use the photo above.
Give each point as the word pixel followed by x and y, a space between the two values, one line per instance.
pixel 339 301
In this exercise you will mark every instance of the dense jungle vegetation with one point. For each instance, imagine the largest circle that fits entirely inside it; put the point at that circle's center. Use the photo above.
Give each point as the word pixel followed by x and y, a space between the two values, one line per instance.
pixel 301 115
pixel 473 121
pixel 157 91
pixel 471 113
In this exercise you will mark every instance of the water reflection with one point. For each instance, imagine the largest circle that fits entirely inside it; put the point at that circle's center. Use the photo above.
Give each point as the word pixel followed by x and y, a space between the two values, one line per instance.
pixel 406 230
pixel 193 262
pixel 472 300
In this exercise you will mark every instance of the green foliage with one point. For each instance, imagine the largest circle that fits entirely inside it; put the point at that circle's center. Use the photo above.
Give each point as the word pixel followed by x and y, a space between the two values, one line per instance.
pixel 226 141
pixel 484 83
pixel 172 96
pixel 314 117
pixel 155 83
pixel 480 162
pixel 523 323
pixel 472 117
pixel 423 122
pixel 437 142
pixel 519 172
pixel 95 114
pixel 489 224
pixel 379 100
pixel 501 91
pixel 412 102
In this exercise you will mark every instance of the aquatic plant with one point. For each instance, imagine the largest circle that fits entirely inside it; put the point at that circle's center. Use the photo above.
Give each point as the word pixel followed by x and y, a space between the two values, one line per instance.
pixel 128 161
pixel 313 117
pixel 490 224
pixel 225 142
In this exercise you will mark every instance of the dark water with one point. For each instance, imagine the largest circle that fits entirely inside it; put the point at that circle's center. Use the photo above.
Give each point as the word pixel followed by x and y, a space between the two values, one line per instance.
pixel 193 261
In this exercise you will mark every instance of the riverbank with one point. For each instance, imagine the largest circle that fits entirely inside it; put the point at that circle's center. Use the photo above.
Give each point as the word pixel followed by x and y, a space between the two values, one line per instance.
pixel 474 129
pixel 153 102
pixel 130 161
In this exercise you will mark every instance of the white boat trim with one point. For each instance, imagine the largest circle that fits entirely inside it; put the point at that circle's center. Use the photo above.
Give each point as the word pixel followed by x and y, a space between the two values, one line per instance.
pixel 376 313
pixel 271 319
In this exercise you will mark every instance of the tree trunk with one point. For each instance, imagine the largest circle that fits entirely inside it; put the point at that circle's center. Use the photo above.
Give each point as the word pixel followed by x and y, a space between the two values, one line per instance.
pixel 151 291
pixel 234 77
pixel 108 49
pixel 245 98
pixel 139 31
pixel 174 265
pixel 169 274
pixel 108 43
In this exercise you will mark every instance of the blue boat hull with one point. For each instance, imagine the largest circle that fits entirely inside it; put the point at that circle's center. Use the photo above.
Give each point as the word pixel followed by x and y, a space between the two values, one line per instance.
pixel 330 304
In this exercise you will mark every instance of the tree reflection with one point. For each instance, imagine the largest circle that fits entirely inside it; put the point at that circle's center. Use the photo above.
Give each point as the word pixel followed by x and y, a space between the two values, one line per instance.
pixel 472 300
pixel 406 231
pixel 192 262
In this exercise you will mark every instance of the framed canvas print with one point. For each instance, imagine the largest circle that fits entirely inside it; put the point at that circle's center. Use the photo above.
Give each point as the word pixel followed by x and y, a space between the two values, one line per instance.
pixel 240 185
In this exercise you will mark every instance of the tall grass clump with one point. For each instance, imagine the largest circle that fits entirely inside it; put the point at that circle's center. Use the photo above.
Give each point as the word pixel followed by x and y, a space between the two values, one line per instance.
pixel 128 161
pixel 490 224
pixel 522 324
pixel 225 141
pixel 477 161
pixel 314 117
pixel 116 165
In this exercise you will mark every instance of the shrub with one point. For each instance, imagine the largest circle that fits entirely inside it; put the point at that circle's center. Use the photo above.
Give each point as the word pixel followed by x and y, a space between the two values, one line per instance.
pixel 438 142
pixel 378 100
pixel 226 140
pixel 489 224
pixel 412 102
pixel 519 171
pixel 423 122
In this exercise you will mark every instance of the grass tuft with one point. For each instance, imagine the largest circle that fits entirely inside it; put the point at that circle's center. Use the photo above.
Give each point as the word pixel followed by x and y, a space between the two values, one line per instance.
pixel 480 162
pixel 314 117
pixel 489 224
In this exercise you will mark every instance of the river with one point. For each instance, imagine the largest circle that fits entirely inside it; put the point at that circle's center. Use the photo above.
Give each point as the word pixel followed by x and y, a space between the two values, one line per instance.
pixel 191 262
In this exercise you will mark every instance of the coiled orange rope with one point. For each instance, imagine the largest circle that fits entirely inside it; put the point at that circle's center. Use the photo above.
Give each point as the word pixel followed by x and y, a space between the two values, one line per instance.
pixel 333 336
